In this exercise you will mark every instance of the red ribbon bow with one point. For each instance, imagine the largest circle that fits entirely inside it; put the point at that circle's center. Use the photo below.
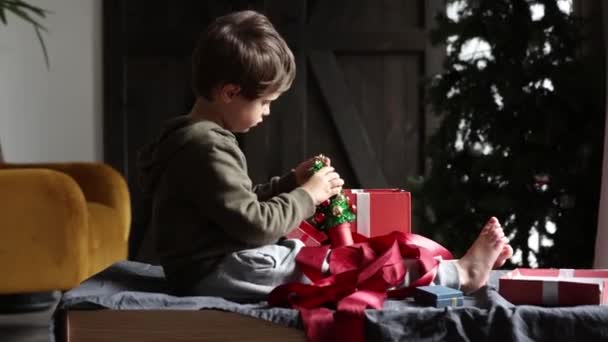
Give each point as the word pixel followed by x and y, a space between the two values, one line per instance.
pixel 362 276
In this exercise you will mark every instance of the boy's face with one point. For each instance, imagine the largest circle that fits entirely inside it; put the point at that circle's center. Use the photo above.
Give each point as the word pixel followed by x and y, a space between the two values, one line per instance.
pixel 243 113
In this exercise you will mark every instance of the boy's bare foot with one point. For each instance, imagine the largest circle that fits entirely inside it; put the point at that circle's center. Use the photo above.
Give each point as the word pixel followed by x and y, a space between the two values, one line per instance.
pixel 488 251
pixel 506 253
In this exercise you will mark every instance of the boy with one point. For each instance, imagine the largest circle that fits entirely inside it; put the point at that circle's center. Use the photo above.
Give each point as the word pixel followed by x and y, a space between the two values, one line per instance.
pixel 215 233
pixel 204 206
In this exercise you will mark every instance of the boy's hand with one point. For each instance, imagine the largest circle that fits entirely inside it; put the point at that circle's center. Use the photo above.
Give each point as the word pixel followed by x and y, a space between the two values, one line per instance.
pixel 302 171
pixel 324 184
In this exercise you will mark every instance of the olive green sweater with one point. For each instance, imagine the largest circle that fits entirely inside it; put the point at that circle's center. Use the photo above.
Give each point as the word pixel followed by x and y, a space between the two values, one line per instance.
pixel 204 205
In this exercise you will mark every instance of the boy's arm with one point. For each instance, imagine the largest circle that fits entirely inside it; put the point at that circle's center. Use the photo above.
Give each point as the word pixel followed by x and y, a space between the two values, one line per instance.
pixel 275 186
pixel 230 202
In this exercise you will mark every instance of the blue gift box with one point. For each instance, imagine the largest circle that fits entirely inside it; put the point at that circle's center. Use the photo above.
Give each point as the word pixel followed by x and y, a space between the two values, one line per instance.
pixel 438 296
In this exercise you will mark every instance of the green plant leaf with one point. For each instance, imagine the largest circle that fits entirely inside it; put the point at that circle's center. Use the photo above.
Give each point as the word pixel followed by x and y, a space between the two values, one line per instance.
pixel 30 14
pixel 2 15
pixel 41 12
pixel 44 50
pixel 24 15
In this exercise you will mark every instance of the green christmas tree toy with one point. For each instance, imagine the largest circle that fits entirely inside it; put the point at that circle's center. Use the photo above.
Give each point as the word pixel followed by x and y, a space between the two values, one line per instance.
pixel 334 216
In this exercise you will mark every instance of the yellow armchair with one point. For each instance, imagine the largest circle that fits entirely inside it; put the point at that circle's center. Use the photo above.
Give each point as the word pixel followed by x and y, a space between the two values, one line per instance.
pixel 60 223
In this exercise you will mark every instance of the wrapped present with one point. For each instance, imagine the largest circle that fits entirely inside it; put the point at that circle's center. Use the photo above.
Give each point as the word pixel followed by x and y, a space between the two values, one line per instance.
pixel 380 211
pixel 554 287
pixel 310 235
pixel 438 296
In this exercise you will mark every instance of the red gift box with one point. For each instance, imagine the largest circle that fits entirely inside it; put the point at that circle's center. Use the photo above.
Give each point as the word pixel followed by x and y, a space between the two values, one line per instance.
pixel 310 235
pixel 380 211
pixel 554 287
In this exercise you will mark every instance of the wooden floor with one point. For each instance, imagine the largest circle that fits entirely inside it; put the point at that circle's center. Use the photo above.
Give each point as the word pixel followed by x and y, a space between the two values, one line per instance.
pixel 141 325
pixel 173 325
pixel 134 325
pixel 28 327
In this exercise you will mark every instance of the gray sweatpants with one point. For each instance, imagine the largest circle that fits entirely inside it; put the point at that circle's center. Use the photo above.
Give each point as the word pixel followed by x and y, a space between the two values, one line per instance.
pixel 250 275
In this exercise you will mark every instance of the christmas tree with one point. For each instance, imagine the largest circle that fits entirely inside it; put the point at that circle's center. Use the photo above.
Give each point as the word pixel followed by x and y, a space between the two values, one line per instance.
pixel 521 132
pixel 335 214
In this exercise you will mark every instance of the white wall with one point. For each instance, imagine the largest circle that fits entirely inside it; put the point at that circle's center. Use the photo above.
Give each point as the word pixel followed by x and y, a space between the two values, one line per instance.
pixel 52 114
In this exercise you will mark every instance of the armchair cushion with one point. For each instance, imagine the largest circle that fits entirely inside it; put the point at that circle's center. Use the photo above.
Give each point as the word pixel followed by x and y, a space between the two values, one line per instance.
pixel 105 231
pixel 61 223
pixel 44 229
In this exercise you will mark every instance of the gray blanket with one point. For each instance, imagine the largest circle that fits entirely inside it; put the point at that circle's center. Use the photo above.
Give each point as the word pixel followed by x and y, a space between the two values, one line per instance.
pixel 485 316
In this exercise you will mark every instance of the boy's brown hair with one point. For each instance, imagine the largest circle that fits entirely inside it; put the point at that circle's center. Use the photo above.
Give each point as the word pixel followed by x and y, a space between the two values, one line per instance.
pixel 242 48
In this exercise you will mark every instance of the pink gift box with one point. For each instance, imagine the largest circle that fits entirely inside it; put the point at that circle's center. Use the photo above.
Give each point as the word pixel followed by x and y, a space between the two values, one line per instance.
pixel 555 287
pixel 381 211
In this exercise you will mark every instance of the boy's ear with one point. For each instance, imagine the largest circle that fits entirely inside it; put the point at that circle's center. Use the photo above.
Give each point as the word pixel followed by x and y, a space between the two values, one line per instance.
pixel 228 91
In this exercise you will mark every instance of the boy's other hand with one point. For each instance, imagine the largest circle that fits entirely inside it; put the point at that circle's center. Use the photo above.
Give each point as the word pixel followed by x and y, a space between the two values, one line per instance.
pixel 324 184
pixel 302 171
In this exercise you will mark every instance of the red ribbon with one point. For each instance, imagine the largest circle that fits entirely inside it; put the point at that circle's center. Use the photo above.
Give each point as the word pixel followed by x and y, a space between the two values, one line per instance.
pixel 361 276
pixel 341 235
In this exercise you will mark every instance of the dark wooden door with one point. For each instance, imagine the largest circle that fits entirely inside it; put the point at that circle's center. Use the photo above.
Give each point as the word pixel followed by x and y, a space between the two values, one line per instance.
pixel 358 94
